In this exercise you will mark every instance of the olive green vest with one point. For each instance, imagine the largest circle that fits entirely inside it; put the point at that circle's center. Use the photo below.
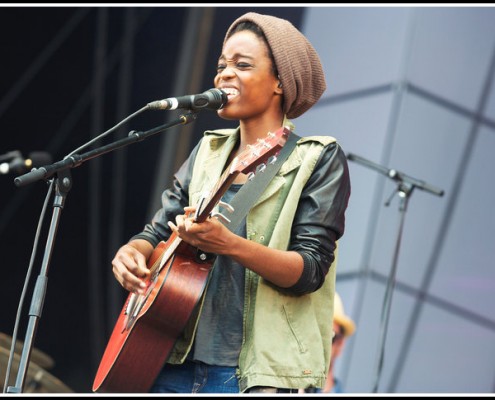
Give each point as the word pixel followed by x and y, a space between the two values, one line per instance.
pixel 287 338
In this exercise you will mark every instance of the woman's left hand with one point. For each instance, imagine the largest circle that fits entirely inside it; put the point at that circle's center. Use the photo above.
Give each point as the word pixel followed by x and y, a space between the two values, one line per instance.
pixel 210 236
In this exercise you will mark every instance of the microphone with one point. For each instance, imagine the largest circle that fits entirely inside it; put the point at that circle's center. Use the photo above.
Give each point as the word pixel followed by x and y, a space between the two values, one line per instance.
pixel 20 165
pixel 212 99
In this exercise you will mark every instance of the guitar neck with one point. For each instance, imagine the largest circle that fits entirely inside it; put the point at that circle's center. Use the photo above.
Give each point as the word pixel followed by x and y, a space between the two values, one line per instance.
pixel 173 243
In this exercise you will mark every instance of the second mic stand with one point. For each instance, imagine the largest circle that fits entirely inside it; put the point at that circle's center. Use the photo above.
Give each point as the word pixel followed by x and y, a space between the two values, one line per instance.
pixel 63 183
pixel 405 187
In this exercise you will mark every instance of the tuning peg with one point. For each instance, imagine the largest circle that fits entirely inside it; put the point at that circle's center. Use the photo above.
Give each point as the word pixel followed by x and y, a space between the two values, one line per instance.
pixel 272 160
pixel 250 176
pixel 262 142
pixel 253 150
pixel 261 168
pixel 227 206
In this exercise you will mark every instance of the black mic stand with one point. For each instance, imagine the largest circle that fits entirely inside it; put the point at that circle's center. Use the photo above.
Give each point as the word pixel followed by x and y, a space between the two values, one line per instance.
pixel 405 187
pixel 63 183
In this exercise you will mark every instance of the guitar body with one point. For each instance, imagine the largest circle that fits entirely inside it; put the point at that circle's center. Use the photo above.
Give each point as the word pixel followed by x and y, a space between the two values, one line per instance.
pixel 135 354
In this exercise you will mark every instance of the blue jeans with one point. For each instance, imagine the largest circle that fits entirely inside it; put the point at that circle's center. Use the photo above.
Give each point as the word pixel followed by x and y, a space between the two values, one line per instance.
pixel 196 377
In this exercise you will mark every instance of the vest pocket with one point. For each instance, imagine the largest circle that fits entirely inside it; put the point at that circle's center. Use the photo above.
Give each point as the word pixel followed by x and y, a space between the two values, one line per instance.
pixel 293 329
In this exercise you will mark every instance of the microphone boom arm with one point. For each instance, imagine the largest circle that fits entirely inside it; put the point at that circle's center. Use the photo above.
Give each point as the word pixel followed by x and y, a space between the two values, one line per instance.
pixel 396 175
pixel 75 160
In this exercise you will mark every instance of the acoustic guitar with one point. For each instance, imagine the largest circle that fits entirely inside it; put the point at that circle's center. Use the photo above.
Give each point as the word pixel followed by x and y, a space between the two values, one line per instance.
pixel 149 324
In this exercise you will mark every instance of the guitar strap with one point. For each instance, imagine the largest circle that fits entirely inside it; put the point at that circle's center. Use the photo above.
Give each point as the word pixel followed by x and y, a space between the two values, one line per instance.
pixel 252 189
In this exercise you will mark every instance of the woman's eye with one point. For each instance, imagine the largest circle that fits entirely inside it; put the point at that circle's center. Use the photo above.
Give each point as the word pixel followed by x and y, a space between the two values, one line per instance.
pixel 239 65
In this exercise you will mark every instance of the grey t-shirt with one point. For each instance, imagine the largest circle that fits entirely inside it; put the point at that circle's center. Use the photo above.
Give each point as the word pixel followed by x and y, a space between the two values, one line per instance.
pixel 219 335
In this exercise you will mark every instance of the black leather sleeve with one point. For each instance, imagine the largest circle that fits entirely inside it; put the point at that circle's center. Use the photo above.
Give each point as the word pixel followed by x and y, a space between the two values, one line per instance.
pixel 320 218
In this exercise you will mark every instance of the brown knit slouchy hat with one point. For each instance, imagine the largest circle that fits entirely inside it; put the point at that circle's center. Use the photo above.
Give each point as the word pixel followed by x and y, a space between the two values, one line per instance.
pixel 297 62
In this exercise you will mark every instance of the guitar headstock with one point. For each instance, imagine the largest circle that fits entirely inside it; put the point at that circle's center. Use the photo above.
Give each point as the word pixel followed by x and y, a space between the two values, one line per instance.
pixel 246 162
pixel 259 153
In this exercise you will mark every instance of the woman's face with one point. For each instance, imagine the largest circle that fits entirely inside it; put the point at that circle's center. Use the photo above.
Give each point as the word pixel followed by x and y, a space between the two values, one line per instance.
pixel 245 73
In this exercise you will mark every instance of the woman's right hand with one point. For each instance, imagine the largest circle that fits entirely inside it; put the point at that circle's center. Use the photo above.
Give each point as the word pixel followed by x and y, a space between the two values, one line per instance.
pixel 129 265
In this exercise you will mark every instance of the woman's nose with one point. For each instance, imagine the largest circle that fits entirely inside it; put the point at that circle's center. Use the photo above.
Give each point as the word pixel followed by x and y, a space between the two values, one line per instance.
pixel 226 72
